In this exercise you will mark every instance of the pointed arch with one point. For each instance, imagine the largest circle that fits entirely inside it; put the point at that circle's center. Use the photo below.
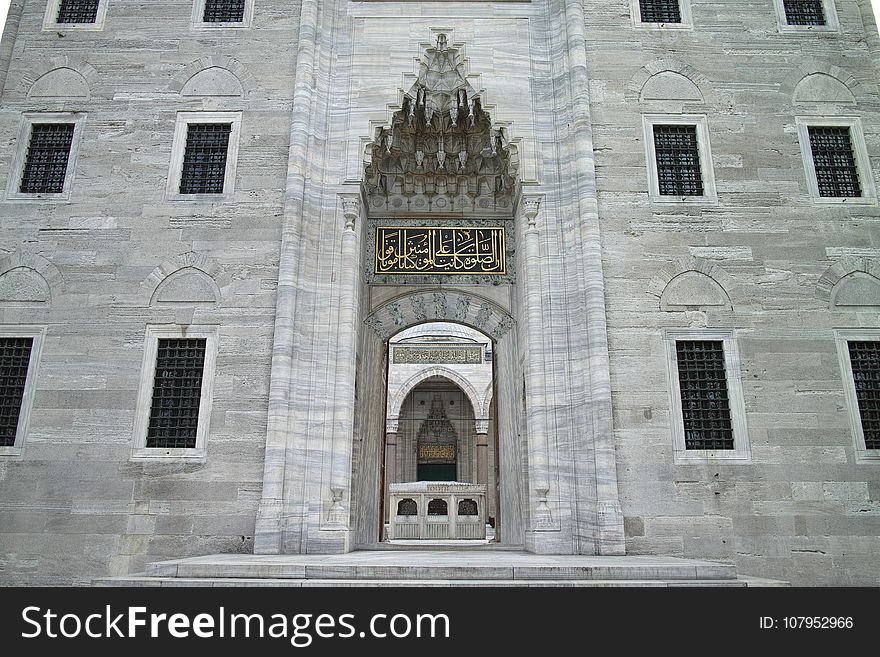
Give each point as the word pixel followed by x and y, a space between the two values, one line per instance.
pixel 440 305
pixel 61 77
pixel 851 281
pixel 213 75
pixel 692 281
pixel 395 404
pixel 188 278
pixel 818 81
pixel 691 85
pixel 28 278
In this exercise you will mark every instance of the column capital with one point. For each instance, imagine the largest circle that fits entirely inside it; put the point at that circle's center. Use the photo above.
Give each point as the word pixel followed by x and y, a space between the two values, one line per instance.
pixel 351 209
pixel 481 425
pixel 530 204
pixel 392 424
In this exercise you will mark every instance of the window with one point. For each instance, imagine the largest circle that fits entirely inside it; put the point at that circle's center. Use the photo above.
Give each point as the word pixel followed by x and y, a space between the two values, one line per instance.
pixel 46 156
pixel 806 15
pixel 659 11
pixel 75 14
pixel 679 159
pixel 19 354
pixel 77 11
pixel 835 160
pixel 661 14
pixel 204 155
pixel 223 11
pixel 213 14
pixel 45 165
pixel 804 12
pixel 204 158
pixel 858 351
pixel 174 402
pixel 708 419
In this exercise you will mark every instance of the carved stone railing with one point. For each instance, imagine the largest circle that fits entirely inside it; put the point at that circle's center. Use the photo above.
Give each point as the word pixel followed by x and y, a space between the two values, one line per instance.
pixel 437 510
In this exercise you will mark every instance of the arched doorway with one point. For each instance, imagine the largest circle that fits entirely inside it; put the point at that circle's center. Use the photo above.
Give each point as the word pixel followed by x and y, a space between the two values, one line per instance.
pixel 440 423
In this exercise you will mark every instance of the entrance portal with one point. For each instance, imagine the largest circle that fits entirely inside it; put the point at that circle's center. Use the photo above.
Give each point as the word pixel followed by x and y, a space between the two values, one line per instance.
pixel 439 419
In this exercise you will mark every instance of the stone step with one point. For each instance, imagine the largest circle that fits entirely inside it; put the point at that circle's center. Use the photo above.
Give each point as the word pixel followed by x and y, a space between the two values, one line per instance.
pixel 146 581
pixel 474 567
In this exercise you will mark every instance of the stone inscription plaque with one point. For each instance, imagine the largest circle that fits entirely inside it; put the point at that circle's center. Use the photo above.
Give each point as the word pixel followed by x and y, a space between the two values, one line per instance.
pixel 449 355
pixel 439 250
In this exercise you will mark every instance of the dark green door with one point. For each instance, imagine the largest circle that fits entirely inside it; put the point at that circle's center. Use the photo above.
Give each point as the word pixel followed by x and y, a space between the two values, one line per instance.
pixel 436 471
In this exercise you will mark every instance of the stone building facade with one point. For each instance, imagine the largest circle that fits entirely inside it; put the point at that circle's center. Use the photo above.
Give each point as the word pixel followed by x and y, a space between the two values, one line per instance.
pixel 628 187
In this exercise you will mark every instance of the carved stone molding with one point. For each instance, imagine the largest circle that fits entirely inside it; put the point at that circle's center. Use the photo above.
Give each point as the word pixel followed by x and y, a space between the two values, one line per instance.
pixel 441 153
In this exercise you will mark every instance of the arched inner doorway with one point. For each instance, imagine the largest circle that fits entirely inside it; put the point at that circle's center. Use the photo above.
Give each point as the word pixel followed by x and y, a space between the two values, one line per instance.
pixel 439 419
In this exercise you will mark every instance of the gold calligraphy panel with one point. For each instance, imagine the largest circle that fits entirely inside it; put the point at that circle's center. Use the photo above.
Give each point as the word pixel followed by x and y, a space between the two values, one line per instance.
pixel 439 250
pixel 428 452
pixel 453 355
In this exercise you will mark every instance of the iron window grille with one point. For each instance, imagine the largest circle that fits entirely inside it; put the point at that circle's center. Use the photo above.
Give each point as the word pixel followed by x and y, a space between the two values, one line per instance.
pixel 204 158
pixel 15 357
pixel 177 390
pixel 804 12
pixel 407 507
pixel 437 507
pixel 865 360
pixel 660 11
pixel 678 160
pixel 47 156
pixel 705 403
pixel 77 11
pixel 833 158
pixel 467 507
pixel 223 11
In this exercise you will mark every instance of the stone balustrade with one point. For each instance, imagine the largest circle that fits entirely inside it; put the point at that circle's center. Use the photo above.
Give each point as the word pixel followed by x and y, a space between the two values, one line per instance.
pixel 437 510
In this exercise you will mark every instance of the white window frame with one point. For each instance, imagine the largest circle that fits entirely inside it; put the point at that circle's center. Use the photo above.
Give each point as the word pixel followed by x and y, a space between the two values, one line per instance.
pixel 198 14
pixel 831 22
pixel 741 452
pixel 50 19
pixel 28 119
pixel 178 148
pixel 38 334
pixel 860 153
pixel 684 7
pixel 707 170
pixel 841 337
pixel 145 392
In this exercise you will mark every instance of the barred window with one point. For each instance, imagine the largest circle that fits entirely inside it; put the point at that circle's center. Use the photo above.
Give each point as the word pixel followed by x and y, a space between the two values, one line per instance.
pixel 437 507
pixel 15 356
pixel 204 159
pixel 47 157
pixel 660 11
pixel 177 389
pixel 468 507
pixel 407 507
pixel 77 11
pixel 804 12
pixel 224 11
pixel 865 360
pixel 705 403
pixel 836 172
pixel 678 160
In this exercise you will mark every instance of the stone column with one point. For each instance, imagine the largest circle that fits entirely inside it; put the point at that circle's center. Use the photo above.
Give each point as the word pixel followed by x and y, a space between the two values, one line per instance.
pixel 340 470
pixel 541 517
pixel 391 426
pixel 609 516
pixel 481 429
pixel 280 518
